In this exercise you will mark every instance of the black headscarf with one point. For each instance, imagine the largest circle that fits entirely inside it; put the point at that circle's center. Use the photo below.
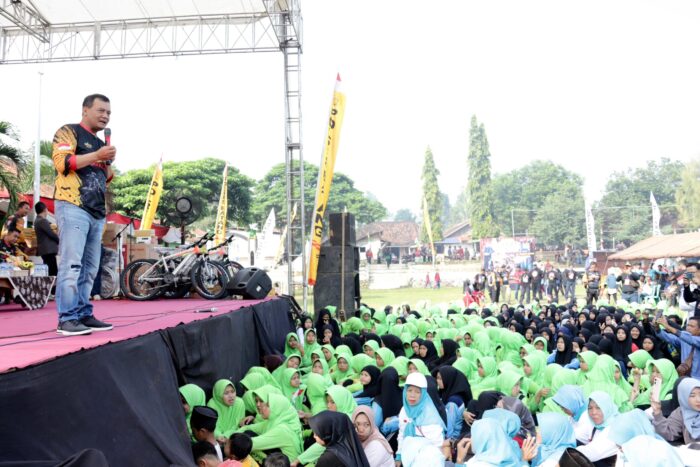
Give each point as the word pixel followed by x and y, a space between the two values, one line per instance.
pixel 390 397
pixel 565 357
pixel 656 352
pixel 335 340
pixel 431 355
pixel 487 400
pixel 394 344
pixel 352 340
pixel 591 326
pixel 638 341
pixel 605 346
pixel 595 339
pixel 371 336
pixel 371 389
pixel 669 406
pixel 455 386
pixel 449 354
pixel 434 394
pixel 621 349
pixel 333 323
pixel 339 435
pixel 585 334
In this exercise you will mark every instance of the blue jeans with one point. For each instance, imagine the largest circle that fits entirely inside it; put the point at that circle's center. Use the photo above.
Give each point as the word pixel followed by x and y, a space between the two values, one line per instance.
pixel 80 240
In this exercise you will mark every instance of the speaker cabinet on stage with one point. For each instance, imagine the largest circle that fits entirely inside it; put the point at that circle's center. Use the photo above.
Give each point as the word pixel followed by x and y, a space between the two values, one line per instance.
pixel 327 290
pixel 250 283
pixel 335 235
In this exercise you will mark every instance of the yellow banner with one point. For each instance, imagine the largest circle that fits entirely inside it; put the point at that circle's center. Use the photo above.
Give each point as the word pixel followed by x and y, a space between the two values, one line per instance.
pixel 220 228
pixel 325 177
pixel 426 220
pixel 154 192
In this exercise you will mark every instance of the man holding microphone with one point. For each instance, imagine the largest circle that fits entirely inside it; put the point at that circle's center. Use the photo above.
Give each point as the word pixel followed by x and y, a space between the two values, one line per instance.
pixel 82 163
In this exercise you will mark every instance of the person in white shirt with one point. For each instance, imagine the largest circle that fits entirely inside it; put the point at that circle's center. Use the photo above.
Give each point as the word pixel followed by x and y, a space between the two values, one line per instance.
pixel 601 412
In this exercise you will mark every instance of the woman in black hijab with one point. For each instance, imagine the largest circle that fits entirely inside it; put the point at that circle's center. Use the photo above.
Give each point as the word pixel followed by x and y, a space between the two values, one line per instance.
pixel 352 340
pixel 434 394
pixel 453 386
pixel 390 397
pixel 394 344
pixel 336 433
pixel 476 407
pixel 527 423
pixel 564 353
pixel 331 339
pixel 621 345
pixel 652 345
pixel 449 354
pixel 371 389
pixel 639 333
pixel 427 352
pixel 605 346
pixel 325 318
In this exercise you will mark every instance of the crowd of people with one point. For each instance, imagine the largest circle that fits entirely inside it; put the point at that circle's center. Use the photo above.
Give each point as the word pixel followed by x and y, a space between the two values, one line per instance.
pixel 545 282
pixel 442 385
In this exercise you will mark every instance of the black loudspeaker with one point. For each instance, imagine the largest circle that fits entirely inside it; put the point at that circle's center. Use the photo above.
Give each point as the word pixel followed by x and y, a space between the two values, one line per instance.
pixel 250 283
pixel 331 258
pixel 335 235
pixel 327 292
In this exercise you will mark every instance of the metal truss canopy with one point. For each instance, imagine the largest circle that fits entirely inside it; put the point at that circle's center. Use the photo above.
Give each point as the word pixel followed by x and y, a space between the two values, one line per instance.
pixel 27 35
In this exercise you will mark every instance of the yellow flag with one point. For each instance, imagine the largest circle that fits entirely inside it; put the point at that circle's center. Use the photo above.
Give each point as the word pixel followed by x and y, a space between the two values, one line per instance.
pixel 426 220
pixel 220 229
pixel 325 177
pixel 154 192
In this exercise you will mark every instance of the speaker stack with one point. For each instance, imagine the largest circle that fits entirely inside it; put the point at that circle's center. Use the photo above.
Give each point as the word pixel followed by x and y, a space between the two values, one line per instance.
pixel 338 277
pixel 250 283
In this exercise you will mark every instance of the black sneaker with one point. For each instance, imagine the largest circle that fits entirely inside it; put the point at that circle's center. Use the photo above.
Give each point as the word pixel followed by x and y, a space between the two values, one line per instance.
pixel 95 324
pixel 72 327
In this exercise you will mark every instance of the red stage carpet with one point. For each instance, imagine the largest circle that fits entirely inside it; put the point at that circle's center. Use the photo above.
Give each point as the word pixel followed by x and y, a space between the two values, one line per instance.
pixel 29 337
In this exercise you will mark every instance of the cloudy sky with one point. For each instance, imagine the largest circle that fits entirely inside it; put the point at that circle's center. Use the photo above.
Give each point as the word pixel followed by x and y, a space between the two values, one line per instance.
pixel 595 86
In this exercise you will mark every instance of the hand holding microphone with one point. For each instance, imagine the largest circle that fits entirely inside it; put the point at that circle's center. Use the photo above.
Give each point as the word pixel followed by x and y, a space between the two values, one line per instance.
pixel 107 153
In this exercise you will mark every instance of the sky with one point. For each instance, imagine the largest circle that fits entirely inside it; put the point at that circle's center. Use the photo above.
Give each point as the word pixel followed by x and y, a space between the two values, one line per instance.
pixel 595 86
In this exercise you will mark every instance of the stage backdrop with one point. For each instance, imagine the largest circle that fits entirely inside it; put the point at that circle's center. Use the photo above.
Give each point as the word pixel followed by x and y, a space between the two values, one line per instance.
pixel 123 398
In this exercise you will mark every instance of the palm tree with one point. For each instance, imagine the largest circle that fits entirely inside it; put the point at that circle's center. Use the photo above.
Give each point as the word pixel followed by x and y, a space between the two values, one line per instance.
pixel 12 163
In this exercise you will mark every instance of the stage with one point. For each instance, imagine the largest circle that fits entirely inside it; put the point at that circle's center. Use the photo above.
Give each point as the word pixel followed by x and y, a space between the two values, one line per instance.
pixel 117 390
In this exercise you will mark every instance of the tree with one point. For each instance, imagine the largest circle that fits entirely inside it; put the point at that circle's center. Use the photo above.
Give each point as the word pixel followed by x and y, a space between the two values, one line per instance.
pixel 433 198
pixel 479 185
pixel 271 192
pixel 404 215
pixel 460 209
pixel 519 195
pixel 47 171
pixel 688 196
pixel 200 179
pixel 624 211
pixel 561 220
pixel 12 163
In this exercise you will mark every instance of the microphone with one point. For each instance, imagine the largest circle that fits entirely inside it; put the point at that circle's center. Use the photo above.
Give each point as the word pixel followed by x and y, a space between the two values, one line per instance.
pixel 108 141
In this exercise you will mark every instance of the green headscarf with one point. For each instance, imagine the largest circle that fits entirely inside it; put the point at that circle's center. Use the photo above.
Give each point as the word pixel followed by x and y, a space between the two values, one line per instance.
pixel 386 355
pixel 360 361
pixel 326 371
pixel 353 324
pixel 669 375
pixel 420 365
pixel 489 382
pixel 507 381
pixel 339 376
pixel 401 365
pixel 277 374
pixel 372 344
pixel 193 395
pixel 287 349
pixel 229 415
pixel 330 349
pixel 408 349
pixel 282 430
pixel 295 395
pixel 590 358
pixel 467 367
pixel 251 382
pixel 343 399
pixel 640 358
pixel 306 360
pixel 316 386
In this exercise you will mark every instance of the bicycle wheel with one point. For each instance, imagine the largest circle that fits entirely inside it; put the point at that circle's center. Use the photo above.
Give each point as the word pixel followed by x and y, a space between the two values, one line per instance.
pixel 110 283
pixel 141 281
pixel 210 279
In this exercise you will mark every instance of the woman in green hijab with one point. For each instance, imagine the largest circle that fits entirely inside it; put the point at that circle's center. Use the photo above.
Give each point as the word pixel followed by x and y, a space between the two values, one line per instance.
pixel 230 408
pixel 292 388
pixel 370 348
pixel 587 362
pixel 602 378
pixel 310 345
pixel 342 370
pixel 639 360
pixel 509 383
pixel 251 382
pixel 414 365
pixel 292 346
pixel 281 428
pixel 666 371
pixel 384 357
pixel 292 361
pixel 191 395
pixel 380 324
pixel 320 367
pixel 366 317
pixel 339 399
pixel 329 354
pixel 316 387
pixel 401 365
pixel 533 384
pixel 466 367
pixel 488 376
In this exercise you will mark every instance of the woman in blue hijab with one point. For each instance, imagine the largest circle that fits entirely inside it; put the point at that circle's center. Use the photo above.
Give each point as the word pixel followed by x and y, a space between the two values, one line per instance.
pixel 601 413
pixel 510 424
pixel 419 416
pixel 491 446
pixel 557 435
pixel 630 425
pixel 650 452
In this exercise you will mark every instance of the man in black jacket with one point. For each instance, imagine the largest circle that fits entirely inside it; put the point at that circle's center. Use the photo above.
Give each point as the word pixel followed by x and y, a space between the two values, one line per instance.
pixel 689 295
pixel 46 238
